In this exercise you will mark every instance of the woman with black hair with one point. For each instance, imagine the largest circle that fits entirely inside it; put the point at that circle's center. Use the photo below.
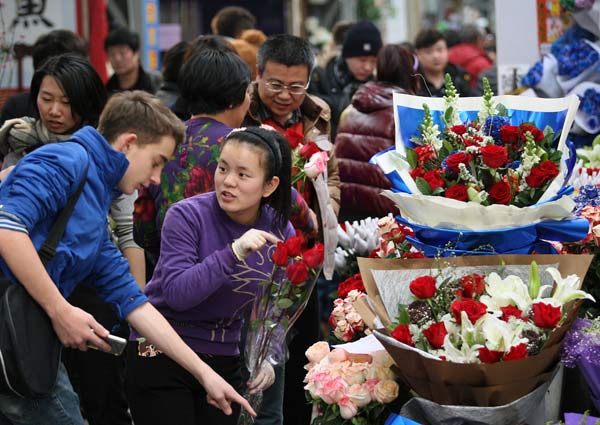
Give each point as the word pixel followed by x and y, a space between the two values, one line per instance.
pixel 216 248
pixel 67 94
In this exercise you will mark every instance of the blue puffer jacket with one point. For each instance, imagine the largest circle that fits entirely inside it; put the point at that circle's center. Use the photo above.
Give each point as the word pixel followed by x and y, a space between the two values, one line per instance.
pixel 39 187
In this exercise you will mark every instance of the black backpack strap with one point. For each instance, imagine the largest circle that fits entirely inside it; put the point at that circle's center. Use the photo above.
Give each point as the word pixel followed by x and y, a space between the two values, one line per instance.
pixel 48 249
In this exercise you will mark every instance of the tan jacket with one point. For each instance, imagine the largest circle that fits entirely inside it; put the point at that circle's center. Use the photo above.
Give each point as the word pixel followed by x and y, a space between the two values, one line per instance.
pixel 316 118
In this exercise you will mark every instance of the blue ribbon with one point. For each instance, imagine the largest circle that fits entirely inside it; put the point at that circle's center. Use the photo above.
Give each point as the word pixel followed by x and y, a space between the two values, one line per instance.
pixel 395 419
pixel 539 247
pixel 516 240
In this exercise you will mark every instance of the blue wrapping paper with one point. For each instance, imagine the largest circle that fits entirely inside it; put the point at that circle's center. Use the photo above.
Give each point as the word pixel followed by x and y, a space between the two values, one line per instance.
pixel 518 240
pixel 395 419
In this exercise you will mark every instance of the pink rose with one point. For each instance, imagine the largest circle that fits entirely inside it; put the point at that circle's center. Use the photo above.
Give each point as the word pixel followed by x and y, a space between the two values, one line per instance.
pixel 347 408
pixel 316 165
pixel 317 352
pixel 370 385
pixel 380 372
pixel 333 390
pixel 343 331
pixel 353 373
pixel 359 394
pixel 356 321
pixel 386 391
pixel 337 355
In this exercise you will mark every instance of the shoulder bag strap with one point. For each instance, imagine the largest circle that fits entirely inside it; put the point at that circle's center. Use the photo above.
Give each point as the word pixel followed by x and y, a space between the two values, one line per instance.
pixel 48 249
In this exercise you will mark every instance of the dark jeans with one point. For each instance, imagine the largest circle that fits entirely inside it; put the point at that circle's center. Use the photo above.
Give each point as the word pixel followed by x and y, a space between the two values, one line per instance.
pixel 99 377
pixel 305 332
pixel 160 392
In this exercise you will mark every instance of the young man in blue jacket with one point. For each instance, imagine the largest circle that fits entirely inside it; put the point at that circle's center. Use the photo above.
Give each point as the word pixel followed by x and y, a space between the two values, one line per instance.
pixel 135 137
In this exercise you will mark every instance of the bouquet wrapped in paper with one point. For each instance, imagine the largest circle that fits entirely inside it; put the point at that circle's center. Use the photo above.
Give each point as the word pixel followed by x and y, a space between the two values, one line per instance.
pixel 349 388
pixel 495 167
pixel 278 304
pixel 475 331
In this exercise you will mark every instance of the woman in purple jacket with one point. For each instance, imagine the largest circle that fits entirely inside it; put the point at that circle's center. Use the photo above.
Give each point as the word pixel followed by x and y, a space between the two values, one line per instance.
pixel 215 249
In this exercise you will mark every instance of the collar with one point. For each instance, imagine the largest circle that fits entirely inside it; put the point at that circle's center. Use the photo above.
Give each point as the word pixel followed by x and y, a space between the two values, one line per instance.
pixel 264 113
pixel 111 164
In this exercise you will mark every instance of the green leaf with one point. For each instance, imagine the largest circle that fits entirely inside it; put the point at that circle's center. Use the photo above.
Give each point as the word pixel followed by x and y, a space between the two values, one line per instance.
pixel 284 303
pixel 502 111
pixel 264 283
pixel 412 158
pixel 403 316
pixel 423 186
pixel 448 146
pixel 448 114
pixel 534 280
pixel 437 191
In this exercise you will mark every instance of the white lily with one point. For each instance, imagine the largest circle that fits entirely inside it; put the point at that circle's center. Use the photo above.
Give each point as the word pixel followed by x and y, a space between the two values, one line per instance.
pixel 501 335
pixel 466 354
pixel 502 292
pixel 567 289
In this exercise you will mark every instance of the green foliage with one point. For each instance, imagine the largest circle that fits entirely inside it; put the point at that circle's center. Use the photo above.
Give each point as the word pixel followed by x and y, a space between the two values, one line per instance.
pixel 423 186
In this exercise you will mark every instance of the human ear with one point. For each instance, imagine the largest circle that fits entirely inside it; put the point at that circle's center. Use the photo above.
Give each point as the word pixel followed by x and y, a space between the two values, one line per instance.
pixel 270 186
pixel 125 142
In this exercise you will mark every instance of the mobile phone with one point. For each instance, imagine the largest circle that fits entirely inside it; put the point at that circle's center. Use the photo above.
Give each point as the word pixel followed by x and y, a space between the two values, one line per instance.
pixel 117 344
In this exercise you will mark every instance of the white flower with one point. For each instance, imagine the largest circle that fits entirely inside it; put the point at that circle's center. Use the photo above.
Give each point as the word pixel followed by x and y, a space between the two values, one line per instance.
pixel 502 292
pixel 567 289
pixel 500 335
pixel 466 353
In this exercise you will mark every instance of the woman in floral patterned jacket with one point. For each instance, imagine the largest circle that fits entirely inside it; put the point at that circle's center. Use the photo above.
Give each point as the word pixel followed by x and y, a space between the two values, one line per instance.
pixel 215 85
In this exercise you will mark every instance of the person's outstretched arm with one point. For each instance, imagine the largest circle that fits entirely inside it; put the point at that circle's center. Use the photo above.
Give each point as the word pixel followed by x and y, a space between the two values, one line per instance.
pixel 72 325
pixel 153 326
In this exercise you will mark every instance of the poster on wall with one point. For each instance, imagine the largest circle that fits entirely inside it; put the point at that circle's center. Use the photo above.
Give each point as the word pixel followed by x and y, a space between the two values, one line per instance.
pixel 550 23
pixel 21 23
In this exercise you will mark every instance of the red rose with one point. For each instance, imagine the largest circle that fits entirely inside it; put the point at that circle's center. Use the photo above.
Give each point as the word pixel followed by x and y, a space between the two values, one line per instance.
pixel 280 256
pixel 294 245
pixel 494 156
pixel 435 334
pixel 473 284
pixel 453 160
pixel 297 272
pixel 434 179
pixel 537 134
pixel 474 310
pixel 516 352
pixel 397 234
pixel 308 150
pixel 489 356
pixel 417 172
pixel 314 256
pixel 536 178
pixel 500 193
pixel 539 175
pixel 402 334
pixel 352 283
pixel 546 315
pixel 423 287
pixel 459 129
pixel 549 169
pixel 509 134
pixel 411 254
pixel 458 192
pixel 294 137
pixel 510 311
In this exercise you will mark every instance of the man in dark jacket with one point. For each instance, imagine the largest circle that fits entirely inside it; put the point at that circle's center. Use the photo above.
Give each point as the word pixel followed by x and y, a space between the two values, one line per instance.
pixel 343 74
pixel 122 47
pixel 432 52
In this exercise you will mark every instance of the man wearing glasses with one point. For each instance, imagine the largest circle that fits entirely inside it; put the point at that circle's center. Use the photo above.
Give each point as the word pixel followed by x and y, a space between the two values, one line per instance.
pixel 279 99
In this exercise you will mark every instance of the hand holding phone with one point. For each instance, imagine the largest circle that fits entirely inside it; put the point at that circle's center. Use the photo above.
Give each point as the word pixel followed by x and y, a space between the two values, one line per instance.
pixel 117 344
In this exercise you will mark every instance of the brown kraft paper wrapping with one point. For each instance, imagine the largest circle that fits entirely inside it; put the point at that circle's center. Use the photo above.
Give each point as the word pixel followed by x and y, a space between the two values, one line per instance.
pixel 473 384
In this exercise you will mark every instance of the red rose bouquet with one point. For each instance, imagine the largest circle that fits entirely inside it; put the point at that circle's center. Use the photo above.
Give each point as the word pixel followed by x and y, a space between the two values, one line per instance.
pixel 484 319
pixel 487 160
pixel 480 331
pixel 475 163
pixel 278 303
